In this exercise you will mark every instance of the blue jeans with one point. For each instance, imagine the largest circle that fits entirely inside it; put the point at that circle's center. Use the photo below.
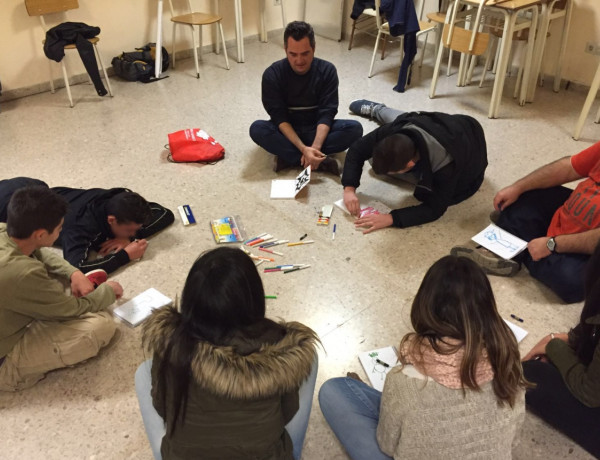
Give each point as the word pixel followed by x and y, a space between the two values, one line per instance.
pixel 352 410
pixel 155 425
pixel 529 218
pixel 342 134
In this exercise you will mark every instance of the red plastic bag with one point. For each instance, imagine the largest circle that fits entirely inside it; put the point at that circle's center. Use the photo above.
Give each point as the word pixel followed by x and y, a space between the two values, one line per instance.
pixel 194 145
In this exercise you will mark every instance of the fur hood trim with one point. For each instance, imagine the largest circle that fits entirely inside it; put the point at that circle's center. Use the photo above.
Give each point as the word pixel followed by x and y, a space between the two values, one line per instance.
pixel 275 369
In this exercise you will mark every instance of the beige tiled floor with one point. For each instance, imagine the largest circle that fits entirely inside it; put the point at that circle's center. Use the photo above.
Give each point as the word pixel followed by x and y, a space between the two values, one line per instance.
pixel 356 295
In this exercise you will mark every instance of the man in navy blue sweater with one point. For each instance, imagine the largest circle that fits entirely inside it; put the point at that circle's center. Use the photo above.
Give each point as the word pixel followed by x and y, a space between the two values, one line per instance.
pixel 300 94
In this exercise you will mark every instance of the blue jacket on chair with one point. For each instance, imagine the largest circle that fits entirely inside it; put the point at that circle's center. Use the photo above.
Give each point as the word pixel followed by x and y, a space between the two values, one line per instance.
pixel 402 18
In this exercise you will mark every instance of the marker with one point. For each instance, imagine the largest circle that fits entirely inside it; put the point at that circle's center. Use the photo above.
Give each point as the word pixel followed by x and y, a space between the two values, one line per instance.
pixel 384 364
pixel 260 240
pixel 255 238
pixel 300 242
pixel 270 297
pixel 264 258
pixel 270 252
pixel 333 233
pixel 273 243
pixel 296 269
pixel 303 236
pixel 516 317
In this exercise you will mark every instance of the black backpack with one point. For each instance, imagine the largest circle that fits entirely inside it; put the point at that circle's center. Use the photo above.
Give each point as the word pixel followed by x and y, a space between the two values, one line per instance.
pixel 138 65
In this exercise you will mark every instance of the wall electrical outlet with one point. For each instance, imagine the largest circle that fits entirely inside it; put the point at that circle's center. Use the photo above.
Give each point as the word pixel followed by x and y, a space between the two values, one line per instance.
pixel 592 48
pixel 277 2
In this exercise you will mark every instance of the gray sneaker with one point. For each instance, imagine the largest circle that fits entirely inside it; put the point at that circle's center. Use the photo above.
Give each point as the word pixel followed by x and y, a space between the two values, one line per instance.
pixel 363 107
pixel 490 262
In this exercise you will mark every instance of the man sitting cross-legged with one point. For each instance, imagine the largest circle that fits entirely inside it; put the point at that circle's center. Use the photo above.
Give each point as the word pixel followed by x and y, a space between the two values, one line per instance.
pixel 41 327
pixel 562 226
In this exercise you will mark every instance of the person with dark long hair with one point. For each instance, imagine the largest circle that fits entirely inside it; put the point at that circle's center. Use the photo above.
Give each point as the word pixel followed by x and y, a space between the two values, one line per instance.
pixel 225 382
pixel 566 369
pixel 460 389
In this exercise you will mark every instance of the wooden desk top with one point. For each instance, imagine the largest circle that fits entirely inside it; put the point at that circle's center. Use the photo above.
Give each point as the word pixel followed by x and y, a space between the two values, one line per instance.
pixel 507 4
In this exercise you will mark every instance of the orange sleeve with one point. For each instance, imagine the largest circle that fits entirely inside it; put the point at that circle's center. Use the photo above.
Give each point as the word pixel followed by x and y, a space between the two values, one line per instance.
pixel 584 161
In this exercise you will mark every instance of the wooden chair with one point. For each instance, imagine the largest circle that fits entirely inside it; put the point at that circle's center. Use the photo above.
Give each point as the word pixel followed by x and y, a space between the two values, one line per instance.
pixel 383 30
pixel 193 19
pixel 467 42
pixel 366 21
pixel 43 7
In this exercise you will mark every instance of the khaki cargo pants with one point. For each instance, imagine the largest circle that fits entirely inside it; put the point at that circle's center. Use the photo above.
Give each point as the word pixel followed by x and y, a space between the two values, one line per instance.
pixel 49 345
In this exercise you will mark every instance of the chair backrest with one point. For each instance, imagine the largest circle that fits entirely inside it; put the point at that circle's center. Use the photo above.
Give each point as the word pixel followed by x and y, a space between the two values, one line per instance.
pixel 189 4
pixel 41 7
pixel 465 41
pixel 450 28
pixel 419 6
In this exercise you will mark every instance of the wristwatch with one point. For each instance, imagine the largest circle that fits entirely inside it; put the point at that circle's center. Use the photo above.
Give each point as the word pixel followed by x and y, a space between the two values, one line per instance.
pixel 551 244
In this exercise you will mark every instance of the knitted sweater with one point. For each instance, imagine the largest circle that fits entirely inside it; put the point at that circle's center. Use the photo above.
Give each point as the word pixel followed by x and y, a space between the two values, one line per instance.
pixel 421 419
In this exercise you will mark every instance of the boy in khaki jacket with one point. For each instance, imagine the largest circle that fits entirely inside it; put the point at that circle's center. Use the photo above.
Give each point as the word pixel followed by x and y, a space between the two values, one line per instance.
pixel 41 327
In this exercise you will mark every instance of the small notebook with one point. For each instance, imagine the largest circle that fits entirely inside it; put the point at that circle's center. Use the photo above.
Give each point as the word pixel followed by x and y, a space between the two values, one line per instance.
pixel 377 364
pixel 500 242
pixel 288 189
pixel 136 310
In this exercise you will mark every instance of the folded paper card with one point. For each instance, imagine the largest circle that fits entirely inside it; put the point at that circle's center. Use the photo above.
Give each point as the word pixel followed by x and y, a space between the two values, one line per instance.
pixel 288 189
pixel 136 310
pixel 377 364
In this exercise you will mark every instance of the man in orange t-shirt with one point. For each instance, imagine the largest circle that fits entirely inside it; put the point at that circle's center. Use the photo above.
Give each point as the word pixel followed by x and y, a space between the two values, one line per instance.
pixel 562 226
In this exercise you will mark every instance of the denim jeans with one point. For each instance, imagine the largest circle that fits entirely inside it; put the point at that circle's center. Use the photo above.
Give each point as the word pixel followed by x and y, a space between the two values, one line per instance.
pixel 528 218
pixel 342 134
pixel 155 425
pixel 352 410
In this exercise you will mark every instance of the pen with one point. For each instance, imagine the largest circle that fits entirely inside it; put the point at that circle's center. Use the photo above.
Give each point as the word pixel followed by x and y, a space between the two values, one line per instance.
pixel 303 236
pixel 333 233
pixel 516 317
pixel 270 297
pixel 384 364
pixel 273 243
pixel 300 242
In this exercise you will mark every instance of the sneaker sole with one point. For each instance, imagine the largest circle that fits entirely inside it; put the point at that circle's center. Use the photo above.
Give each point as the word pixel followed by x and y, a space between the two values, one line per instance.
pixel 491 265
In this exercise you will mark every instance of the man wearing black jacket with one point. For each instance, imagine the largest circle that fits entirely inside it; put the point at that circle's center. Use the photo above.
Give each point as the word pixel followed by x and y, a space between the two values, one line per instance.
pixel 114 223
pixel 444 155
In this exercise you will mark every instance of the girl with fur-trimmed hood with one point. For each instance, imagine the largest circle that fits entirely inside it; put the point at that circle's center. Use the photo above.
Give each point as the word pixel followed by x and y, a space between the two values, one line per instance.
pixel 225 382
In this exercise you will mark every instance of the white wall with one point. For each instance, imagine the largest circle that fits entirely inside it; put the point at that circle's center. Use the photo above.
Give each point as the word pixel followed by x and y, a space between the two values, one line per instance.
pixel 126 24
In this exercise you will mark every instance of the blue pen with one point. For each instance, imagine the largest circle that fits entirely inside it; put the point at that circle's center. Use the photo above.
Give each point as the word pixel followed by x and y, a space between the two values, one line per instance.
pixel 333 233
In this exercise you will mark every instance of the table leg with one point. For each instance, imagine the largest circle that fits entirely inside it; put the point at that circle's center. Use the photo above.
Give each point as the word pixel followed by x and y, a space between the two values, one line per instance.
pixel 563 45
pixel 528 79
pixel 538 51
pixel 509 26
pixel 239 30
pixel 588 104
pixel 158 55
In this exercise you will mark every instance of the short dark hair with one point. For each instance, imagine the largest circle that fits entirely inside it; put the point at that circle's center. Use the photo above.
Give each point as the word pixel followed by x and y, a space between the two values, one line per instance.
pixel 393 153
pixel 34 208
pixel 298 30
pixel 129 207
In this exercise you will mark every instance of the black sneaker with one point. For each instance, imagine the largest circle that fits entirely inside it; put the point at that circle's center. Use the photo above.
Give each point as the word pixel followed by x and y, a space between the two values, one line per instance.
pixel 362 107
pixel 490 262
pixel 330 165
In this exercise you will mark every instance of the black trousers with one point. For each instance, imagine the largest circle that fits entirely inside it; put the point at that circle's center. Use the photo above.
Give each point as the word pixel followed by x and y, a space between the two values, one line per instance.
pixel 552 401
pixel 529 218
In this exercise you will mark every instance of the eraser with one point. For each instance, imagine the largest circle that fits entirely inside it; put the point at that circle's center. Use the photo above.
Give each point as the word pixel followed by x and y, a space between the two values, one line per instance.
pixel 187 217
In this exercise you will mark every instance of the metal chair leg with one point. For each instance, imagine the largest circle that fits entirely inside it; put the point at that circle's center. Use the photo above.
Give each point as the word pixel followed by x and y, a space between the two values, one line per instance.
pixel 66 78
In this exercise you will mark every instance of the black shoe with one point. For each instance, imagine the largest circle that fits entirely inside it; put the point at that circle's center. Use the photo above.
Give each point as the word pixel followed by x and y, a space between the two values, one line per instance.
pixel 363 107
pixel 279 164
pixel 490 262
pixel 330 165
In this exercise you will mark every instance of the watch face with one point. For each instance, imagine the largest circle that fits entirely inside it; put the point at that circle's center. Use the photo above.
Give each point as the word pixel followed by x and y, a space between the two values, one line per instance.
pixel 551 244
